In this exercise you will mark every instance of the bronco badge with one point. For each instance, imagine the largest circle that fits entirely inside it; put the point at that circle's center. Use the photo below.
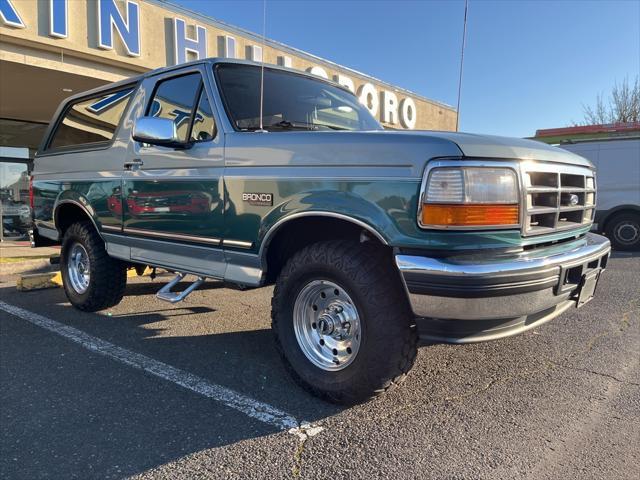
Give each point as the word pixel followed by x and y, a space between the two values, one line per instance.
pixel 258 199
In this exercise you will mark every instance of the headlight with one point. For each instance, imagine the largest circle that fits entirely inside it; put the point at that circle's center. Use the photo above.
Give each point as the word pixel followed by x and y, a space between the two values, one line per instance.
pixel 470 197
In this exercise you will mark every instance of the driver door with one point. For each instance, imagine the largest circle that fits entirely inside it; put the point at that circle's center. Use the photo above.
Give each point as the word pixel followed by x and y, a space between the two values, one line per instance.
pixel 173 197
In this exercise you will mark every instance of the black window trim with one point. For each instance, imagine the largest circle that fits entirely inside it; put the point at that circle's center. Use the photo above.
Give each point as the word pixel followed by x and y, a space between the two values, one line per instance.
pixel 192 119
pixel 87 147
pixel 203 91
pixel 223 97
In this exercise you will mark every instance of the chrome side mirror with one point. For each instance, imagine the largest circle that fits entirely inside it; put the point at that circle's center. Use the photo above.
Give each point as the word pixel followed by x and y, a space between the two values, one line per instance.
pixel 156 131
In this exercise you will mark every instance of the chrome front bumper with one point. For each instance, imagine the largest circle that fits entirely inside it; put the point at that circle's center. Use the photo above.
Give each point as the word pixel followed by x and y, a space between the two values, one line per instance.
pixel 507 292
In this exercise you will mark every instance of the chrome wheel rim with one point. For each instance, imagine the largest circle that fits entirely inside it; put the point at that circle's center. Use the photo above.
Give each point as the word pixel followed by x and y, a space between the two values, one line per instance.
pixel 78 268
pixel 627 232
pixel 327 325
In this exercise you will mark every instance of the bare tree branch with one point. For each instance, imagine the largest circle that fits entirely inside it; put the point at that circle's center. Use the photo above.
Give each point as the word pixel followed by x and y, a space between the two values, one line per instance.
pixel 623 105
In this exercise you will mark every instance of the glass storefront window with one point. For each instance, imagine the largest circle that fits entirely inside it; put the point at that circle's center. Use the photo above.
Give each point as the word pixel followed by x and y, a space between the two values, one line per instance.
pixel 15 211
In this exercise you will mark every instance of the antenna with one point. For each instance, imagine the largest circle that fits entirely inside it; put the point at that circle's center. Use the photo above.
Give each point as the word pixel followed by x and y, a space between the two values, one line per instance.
pixel 464 41
pixel 264 28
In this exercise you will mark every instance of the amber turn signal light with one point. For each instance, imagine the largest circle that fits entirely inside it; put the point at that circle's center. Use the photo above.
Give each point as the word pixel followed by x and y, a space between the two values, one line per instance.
pixel 471 215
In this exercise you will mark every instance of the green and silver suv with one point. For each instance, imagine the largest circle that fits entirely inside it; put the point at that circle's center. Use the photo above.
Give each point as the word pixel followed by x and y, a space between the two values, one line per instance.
pixel 373 238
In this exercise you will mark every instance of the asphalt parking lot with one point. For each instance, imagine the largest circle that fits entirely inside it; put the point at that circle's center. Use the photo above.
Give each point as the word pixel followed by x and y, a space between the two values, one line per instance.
pixel 146 389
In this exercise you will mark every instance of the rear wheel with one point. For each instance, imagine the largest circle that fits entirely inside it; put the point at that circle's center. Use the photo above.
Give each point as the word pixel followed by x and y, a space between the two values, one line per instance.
pixel 92 279
pixel 342 322
pixel 624 231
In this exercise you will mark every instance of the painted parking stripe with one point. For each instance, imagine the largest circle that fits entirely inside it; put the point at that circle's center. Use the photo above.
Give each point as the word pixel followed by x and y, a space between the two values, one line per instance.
pixel 232 399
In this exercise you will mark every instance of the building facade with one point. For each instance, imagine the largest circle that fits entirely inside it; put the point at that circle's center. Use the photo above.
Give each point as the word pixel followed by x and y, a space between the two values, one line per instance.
pixel 50 49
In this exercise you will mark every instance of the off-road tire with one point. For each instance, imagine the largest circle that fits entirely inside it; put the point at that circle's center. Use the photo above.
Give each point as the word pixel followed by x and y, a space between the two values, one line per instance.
pixel 108 276
pixel 612 231
pixel 388 339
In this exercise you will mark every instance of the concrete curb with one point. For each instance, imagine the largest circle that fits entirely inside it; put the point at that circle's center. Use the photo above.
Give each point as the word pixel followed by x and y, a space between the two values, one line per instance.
pixel 11 268
pixel 27 263
pixel 37 281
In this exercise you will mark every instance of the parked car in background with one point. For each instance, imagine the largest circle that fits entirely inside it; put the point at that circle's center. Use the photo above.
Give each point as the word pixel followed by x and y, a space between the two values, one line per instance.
pixel 617 164
pixel 16 218
pixel 372 238
pixel 15 212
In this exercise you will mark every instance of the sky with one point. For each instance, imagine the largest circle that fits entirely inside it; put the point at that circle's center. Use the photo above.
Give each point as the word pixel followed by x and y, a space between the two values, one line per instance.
pixel 527 64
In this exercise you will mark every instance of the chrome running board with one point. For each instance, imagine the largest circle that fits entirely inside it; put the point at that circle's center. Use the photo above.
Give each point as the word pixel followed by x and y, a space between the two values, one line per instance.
pixel 165 293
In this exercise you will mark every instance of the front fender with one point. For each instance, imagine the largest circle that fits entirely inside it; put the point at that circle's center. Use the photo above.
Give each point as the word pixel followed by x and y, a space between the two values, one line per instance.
pixel 344 205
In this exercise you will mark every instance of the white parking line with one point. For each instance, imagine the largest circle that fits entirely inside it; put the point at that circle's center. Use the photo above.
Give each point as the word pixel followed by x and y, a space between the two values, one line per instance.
pixel 250 407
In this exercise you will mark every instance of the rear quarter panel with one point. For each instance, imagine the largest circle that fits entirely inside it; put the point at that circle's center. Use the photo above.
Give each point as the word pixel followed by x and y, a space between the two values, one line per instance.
pixel 91 177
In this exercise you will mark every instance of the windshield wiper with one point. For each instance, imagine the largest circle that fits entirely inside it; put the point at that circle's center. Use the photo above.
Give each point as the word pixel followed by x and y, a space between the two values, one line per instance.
pixel 304 125
pixel 332 127
pixel 288 125
pixel 284 125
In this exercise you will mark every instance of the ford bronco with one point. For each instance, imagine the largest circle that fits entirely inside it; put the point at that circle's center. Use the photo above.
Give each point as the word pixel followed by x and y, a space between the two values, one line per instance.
pixel 374 239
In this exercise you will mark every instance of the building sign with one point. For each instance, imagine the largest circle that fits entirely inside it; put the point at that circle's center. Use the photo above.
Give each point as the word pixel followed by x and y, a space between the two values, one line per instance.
pixel 116 27
pixel 384 106
pixel 183 44
pixel 9 15
pixel 110 20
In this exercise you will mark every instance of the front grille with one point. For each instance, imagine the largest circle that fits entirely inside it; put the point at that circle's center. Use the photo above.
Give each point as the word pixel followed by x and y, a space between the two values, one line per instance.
pixel 560 198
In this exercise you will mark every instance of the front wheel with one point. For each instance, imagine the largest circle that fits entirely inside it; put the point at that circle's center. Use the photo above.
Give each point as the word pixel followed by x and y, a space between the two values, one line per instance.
pixel 92 279
pixel 341 321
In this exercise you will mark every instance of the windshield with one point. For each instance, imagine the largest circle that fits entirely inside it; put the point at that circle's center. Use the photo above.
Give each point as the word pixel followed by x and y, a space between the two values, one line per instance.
pixel 291 101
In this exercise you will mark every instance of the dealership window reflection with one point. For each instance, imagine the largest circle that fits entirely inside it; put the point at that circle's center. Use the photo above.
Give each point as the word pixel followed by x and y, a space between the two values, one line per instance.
pixel 91 121
pixel 174 99
pixel 14 200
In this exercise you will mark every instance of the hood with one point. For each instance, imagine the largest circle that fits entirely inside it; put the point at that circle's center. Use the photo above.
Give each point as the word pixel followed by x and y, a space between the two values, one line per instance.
pixel 490 146
pixel 391 152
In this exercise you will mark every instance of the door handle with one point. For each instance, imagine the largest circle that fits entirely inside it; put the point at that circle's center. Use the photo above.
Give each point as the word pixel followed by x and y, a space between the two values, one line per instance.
pixel 134 164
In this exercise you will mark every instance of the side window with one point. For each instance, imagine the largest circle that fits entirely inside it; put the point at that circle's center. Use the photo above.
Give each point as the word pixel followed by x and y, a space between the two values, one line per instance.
pixel 91 121
pixel 204 125
pixel 174 99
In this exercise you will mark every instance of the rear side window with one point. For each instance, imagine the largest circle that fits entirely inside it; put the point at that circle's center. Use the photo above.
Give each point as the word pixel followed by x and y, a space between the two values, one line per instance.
pixel 91 121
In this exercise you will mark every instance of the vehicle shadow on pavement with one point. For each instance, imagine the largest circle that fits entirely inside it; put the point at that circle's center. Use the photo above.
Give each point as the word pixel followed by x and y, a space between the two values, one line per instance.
pixel 69 412
pixel 152 287
pixel 164 313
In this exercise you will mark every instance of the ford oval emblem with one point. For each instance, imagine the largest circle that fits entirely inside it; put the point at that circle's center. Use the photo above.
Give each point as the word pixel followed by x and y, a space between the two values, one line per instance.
pixel 573 199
